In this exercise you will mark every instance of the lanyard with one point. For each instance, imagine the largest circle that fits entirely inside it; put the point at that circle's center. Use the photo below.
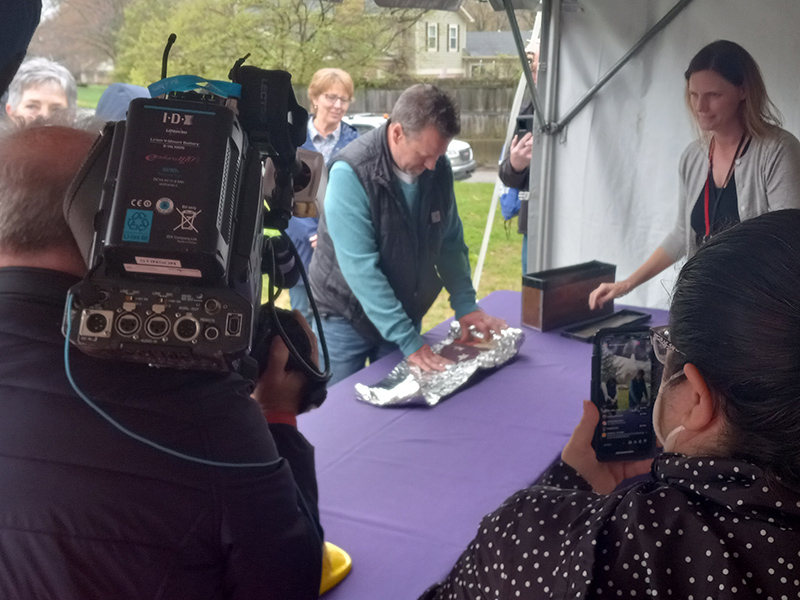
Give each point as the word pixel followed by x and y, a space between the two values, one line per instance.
pixel 724 183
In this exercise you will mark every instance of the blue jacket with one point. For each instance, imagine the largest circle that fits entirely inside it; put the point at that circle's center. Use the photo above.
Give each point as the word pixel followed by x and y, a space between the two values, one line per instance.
pixel 113 104
pixel 300 229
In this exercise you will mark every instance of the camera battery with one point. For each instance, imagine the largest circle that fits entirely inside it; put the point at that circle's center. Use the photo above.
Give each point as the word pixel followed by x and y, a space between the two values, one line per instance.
pixel 175 197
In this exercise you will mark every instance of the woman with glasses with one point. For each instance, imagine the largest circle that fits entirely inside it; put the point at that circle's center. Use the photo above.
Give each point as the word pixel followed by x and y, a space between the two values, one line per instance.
pixel 330 93
pixel 742 165
pixel 719 516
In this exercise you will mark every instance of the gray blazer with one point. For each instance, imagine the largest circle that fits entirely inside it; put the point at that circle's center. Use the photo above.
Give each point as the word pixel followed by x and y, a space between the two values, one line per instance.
pixel 767 178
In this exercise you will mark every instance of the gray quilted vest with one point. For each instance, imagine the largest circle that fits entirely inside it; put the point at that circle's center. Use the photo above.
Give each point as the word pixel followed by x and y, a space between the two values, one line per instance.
pixel 408 250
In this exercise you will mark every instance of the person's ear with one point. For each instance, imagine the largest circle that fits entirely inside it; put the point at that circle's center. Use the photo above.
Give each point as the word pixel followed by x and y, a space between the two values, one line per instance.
pixel 9 110
pixel 395 132
pixel 702 408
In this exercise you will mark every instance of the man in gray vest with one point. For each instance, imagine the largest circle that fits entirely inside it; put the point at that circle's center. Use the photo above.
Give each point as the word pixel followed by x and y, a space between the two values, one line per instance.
pixel 390 237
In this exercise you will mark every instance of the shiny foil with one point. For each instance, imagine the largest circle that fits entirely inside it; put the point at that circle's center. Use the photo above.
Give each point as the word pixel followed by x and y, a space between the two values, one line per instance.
pixel 408 385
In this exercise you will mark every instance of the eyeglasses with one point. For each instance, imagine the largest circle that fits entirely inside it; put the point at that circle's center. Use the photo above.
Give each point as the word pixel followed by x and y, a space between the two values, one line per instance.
pixel 333 99
pixel 659 338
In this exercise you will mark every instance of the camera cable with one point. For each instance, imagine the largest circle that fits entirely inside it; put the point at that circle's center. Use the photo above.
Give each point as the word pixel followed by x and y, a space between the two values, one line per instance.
pixel 310 369
pixel 132 434
pixel 301 501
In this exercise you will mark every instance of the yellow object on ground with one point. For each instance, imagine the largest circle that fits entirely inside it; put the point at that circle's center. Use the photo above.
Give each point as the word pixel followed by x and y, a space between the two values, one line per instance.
pixel 336 564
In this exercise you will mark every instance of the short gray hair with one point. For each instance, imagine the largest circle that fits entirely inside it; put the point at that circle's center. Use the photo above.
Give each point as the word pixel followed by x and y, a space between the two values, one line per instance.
pixel 37 164
pixel 423 105
pixel 40 71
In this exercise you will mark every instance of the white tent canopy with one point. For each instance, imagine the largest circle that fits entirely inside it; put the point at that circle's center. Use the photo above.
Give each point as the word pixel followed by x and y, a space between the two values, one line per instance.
pixel 614 178
pixel 608 181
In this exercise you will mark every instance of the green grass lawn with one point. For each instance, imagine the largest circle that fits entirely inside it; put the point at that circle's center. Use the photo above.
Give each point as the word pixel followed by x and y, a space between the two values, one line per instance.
pixel 503 267
pixel 88 95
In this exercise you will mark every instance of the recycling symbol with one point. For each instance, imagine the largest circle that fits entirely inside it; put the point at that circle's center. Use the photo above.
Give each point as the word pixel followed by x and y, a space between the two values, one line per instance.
pixel 137 222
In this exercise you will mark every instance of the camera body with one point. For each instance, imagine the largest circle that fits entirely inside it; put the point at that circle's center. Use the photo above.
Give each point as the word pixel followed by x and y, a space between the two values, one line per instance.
pixel 168 212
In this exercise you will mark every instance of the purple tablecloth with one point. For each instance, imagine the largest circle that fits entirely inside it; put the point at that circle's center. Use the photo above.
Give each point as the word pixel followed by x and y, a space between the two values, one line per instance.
pixel 403 490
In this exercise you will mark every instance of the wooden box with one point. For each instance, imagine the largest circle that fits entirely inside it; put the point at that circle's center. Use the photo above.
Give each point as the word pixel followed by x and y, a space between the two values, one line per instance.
pixel 559 297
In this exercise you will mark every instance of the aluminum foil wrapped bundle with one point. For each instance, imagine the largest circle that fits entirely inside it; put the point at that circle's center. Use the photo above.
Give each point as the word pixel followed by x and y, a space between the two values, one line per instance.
pixel 408 385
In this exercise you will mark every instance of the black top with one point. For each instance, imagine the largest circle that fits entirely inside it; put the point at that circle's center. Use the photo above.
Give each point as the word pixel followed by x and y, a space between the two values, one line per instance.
pixel 89 513
pixel 723 209
pixel 723 205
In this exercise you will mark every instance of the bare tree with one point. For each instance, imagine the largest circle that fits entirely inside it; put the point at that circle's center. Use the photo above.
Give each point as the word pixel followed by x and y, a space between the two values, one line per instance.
pixel 487 19
pixel 81 34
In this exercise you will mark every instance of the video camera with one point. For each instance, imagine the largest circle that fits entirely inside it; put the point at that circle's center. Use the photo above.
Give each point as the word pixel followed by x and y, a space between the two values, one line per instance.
pixel 169 212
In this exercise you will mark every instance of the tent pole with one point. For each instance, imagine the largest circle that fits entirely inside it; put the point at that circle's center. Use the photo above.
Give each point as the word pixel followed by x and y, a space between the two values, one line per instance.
pixel 655 30
pixel 523 57
pixel 487 232
pixel 525 82
pixel 551 14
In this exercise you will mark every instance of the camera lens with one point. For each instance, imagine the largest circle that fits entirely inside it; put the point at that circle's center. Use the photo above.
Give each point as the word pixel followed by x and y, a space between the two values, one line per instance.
pixel 96 322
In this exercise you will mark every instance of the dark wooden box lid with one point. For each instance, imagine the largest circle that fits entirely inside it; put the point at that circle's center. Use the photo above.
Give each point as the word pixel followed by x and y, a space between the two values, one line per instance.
pixel 565 275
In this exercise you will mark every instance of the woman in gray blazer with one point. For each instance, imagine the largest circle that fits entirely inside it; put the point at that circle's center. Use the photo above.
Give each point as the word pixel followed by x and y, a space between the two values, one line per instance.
pixel 742 165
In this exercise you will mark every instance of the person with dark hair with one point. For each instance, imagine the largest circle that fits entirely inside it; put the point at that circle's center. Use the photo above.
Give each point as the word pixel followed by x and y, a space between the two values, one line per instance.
pixel 330 93
pixel 742 165
pixel 720 514
pixel 637 390
pixel 91 513
pixel 609 389
pixel 390 237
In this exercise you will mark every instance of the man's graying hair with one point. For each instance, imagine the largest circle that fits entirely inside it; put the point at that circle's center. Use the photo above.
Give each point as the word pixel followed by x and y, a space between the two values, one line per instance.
pixel 41 71
pixel 425 105
pixel 37 165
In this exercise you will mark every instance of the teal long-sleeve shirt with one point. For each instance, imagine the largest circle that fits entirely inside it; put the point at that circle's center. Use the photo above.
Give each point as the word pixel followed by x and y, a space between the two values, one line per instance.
pixel 349 222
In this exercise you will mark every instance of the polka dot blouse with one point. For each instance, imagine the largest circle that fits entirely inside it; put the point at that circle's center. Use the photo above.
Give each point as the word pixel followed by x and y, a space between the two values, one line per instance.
pixel 705 528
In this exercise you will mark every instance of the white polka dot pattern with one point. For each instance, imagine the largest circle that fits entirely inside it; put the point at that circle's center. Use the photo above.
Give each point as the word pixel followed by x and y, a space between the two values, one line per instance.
pixel 705 528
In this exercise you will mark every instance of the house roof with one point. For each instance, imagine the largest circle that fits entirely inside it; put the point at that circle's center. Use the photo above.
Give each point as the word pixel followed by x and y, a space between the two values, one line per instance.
pixel 492 43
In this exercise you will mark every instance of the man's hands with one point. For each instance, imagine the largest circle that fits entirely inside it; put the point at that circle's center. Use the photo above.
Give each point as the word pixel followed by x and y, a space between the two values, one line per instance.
pixel 482 322
pixel 520 153
pixel 604 477
pixel 427 360
pixel 279 390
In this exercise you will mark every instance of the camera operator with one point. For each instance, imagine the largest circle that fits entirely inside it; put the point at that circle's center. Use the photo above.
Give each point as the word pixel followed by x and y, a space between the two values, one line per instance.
pixel 91 513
